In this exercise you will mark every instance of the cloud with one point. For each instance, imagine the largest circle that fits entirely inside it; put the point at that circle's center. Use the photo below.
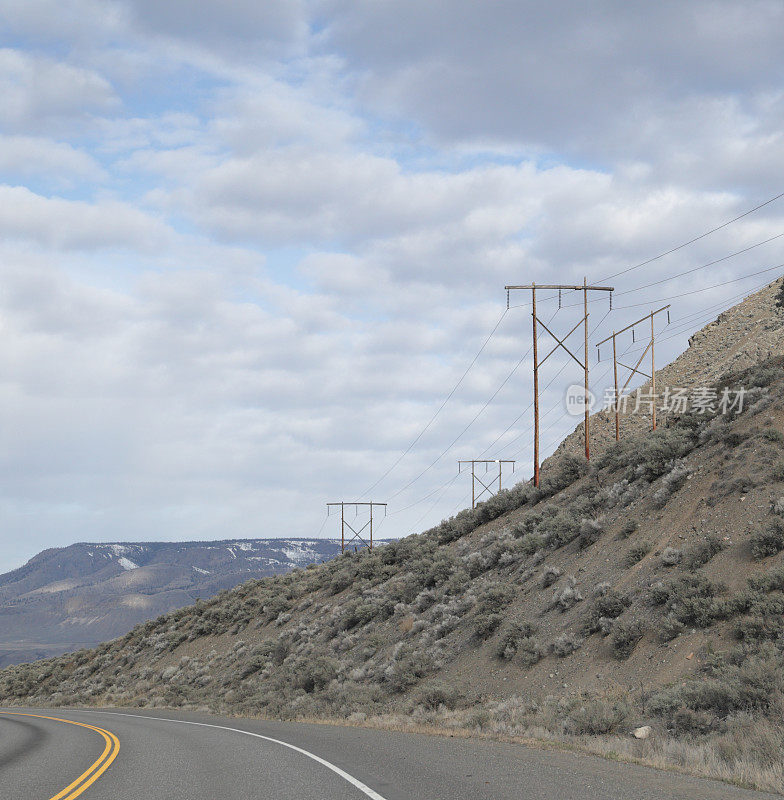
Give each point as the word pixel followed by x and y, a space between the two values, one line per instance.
pixel 77 225
pixel 40 93
pixel 247 251
pixel 38 157
pixel 240 28
pixel 561 77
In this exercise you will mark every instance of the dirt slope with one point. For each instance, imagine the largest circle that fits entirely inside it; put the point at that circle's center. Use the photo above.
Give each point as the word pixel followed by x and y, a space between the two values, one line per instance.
pixel 746 334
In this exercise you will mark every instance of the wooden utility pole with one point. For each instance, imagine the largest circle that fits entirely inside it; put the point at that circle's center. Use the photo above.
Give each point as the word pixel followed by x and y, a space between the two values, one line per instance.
pixel 474 479
pixel 635 370
pixel 584 288
pixel 356 535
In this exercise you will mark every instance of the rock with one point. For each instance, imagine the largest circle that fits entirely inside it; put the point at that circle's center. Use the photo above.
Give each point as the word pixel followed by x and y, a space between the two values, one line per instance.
pixel 642 733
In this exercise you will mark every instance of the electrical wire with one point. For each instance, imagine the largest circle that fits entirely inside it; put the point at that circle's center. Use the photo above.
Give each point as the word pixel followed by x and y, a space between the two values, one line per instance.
pixel 440 408
pixel 702 266
pixel 695 239
pixel 704 288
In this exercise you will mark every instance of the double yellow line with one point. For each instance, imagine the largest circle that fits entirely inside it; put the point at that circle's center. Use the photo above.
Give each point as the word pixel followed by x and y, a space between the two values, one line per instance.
pixel 90 775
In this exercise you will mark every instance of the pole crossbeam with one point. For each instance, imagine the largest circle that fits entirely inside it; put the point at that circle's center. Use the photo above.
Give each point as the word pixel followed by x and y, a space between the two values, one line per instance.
pixel 635 370
pixel 584 288
pixel 486 489
pixel 356 533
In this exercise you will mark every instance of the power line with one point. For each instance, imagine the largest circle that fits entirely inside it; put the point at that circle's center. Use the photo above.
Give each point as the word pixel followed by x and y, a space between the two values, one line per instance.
pixel 467 427
pixel 705 288
pixel 695 239
pixel 441 407
pixel 702 266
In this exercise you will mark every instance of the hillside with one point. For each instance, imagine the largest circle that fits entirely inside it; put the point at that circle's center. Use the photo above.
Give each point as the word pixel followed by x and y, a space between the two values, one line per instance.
pixel 644 589
pixel 746 334
pixel 77 596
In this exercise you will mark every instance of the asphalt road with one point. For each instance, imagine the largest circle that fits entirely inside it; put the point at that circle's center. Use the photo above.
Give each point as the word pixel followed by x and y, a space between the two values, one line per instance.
pixel 169 756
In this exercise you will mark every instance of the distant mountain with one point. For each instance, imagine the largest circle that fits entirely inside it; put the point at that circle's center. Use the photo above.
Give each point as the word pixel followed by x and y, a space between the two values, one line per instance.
pixel 72 597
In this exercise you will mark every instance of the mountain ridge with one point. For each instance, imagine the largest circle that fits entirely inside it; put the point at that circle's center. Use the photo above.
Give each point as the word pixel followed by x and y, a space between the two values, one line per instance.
pixel 75 596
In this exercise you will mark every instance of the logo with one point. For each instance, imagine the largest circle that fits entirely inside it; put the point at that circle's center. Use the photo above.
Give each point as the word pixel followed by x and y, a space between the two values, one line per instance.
pixel 574 400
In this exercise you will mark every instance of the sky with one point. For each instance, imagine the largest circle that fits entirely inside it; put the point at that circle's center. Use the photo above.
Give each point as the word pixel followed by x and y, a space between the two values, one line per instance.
pixel 247 250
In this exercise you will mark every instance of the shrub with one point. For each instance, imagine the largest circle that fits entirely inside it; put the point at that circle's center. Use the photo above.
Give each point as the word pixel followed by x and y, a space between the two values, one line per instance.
pixel 670 628
pixel 565 644
pixel 529 651
pixel 773 435
pixel 437 695
pixel 637 553
pixel 567 596
pixel 656 452
pixel 311 675
pixel 702 552
pixel 609 605
pixel 769 540
pixel 777 473
pixel 510 639
pixel 671 482
pixel 758 628
pixel 597 717
pixel 530 543
pixel 670 556
pixel 549 576
pixel 590 531
pixel 560 529
pixel 341 581
pixel 625 636
pixel 487 623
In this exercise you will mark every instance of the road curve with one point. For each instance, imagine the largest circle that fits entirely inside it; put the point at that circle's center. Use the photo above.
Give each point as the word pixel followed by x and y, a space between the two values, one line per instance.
pixel 178 756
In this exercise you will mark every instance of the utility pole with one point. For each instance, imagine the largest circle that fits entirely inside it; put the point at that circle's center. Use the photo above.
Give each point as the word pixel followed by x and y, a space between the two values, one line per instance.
pixel 584 288
pixel 474 479
pixel 635 370
pixel 356 535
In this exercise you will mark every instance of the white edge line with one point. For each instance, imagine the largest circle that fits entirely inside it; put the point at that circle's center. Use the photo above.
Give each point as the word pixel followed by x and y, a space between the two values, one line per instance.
pixel 374 795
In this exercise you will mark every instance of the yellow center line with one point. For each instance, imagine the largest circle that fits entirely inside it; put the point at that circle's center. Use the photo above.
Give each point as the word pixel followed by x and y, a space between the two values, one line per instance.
pixel 95 770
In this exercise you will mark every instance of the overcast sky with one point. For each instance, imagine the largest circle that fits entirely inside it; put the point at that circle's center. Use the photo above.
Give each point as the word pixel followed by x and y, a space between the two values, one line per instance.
pixel 247 249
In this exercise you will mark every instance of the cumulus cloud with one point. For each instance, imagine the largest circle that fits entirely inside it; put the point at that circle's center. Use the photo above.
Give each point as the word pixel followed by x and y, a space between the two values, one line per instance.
pixel 71 224
pixel 40 93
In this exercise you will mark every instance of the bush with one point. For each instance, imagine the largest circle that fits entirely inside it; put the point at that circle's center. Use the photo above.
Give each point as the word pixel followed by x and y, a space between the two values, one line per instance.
pixel 609 605
pixel 637 553
pixel 769 540
pixel 624 638
pixel 510 639
pixel 564 645
pixel 758 628
pixel 530 543
pixel 628 529
pixel 590 531
pixel 487 623
pixel 529 651
pixel 567 596
pixel 670 628
pixel 670 556
pixel 549 576
pixel 437 695
pixel 597 717
pixel 702 552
